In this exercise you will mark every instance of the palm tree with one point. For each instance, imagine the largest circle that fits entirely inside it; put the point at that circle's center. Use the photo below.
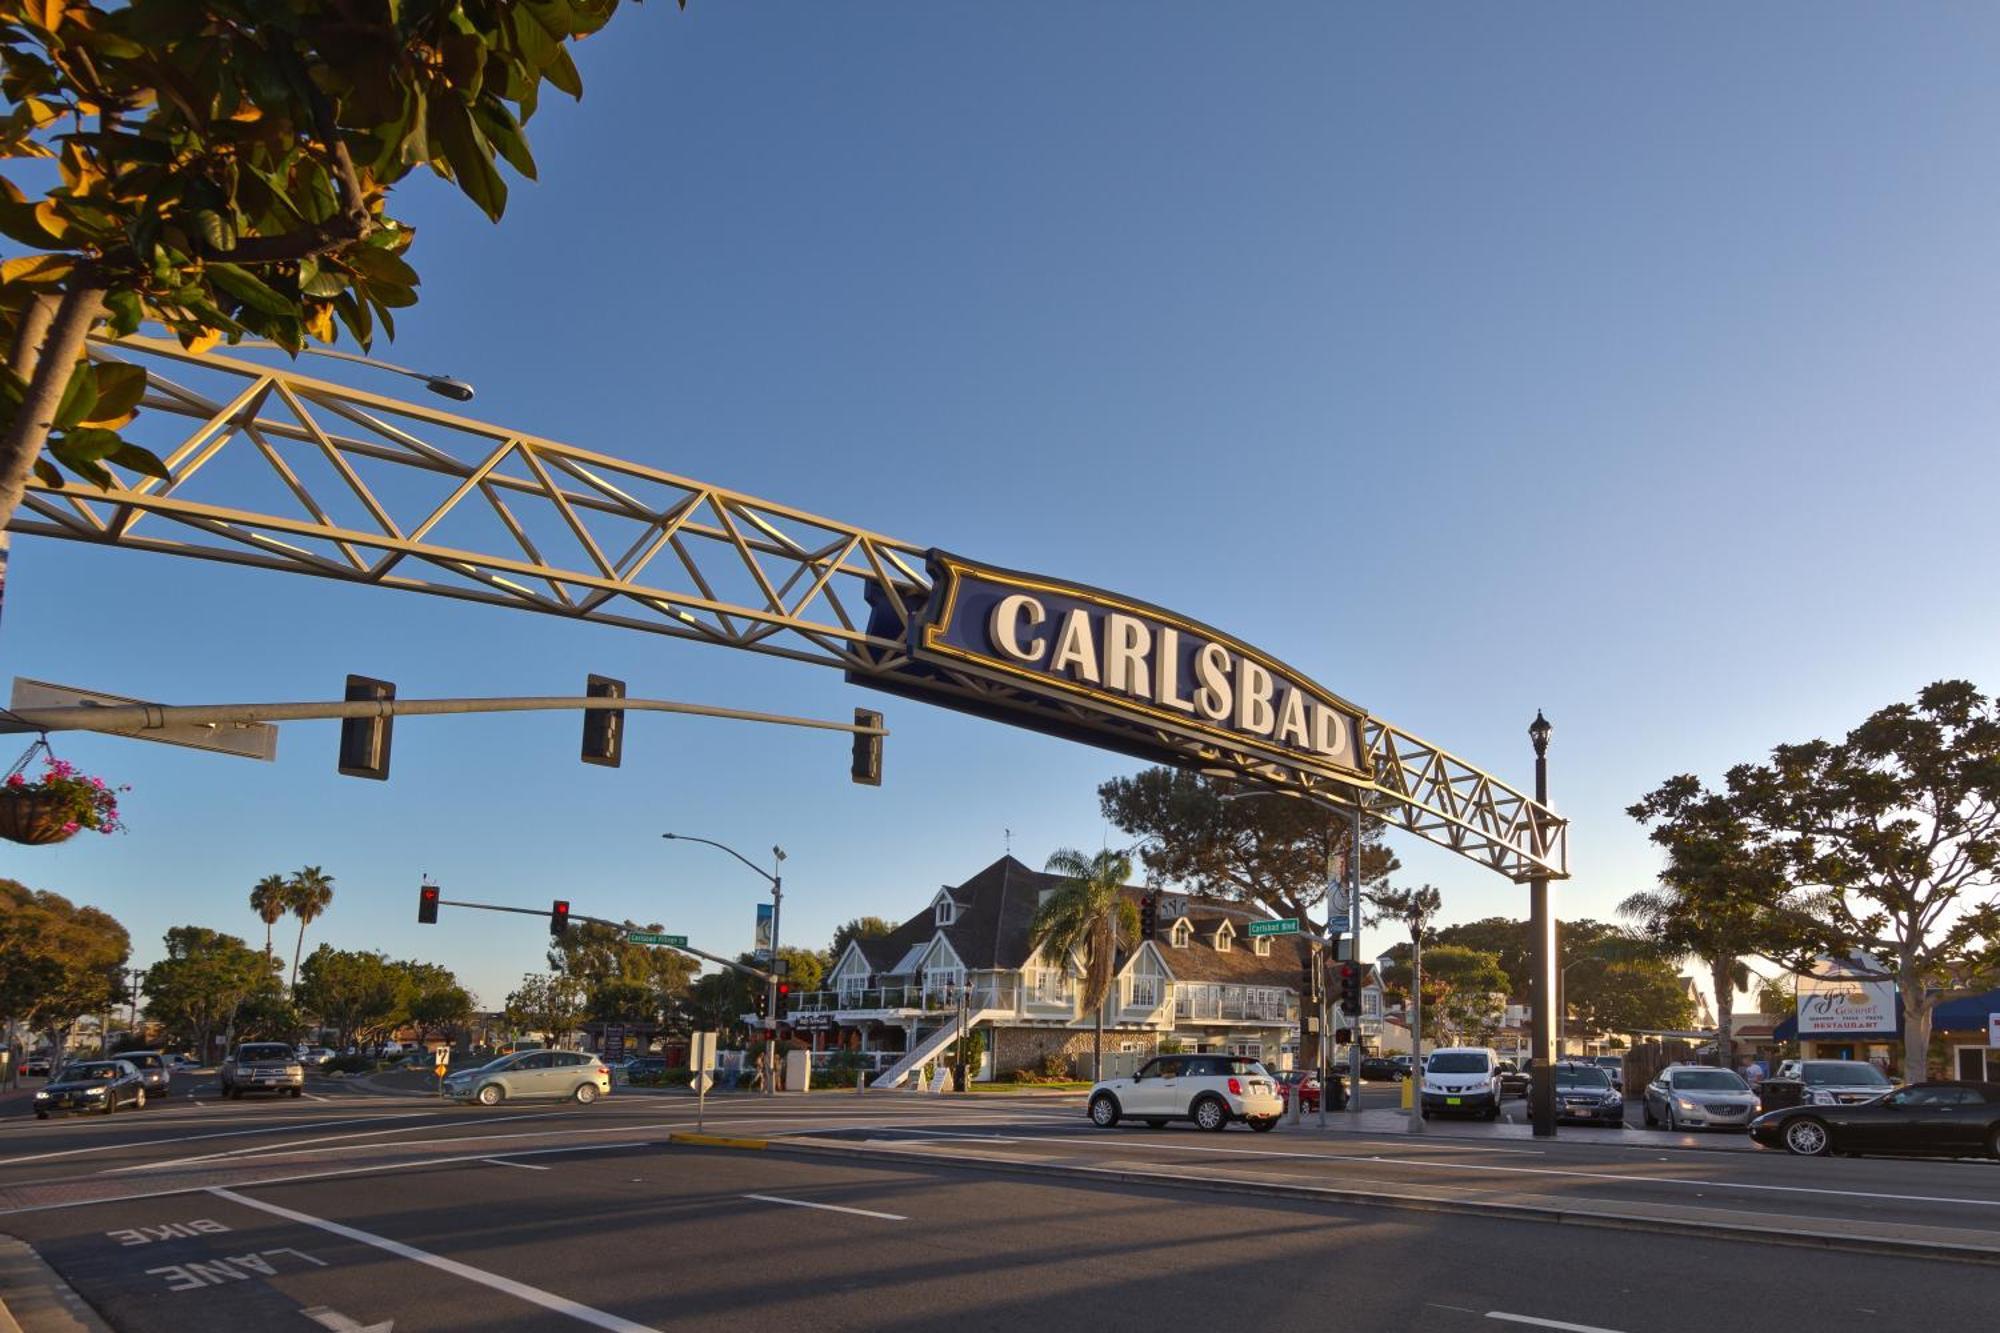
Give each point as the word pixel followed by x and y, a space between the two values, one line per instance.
pixel 1088 913
pixel 1679 922
pixel 269 901
pixel 1413 908
pixel 307 894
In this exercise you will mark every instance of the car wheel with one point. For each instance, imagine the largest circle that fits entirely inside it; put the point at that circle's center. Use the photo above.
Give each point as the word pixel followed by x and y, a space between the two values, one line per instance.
pixel 1807 1137
pixel 1646 1108
pixel 1673 1122
pixel 1264 1124
pixel 41 1115
pixel 298 1093
pixel 1210 1113
pixel 139 1100
pixel 491 1095
pixel 1154 1122
pixel 1104 1110
pixel 586 1093
pixel 1993 1142
pixel 110 1103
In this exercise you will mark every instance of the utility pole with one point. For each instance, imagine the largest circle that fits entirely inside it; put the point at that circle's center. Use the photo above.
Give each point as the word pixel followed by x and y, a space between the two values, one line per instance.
pixel 1354 952
pixel 1542 954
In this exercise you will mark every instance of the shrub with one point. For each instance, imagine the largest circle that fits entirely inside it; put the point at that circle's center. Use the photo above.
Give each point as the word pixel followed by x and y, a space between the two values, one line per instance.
pixel 349 1064
pixel 661 1078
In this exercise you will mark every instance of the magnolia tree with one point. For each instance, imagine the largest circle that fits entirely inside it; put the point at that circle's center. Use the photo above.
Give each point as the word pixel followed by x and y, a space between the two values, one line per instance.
pixel 224 169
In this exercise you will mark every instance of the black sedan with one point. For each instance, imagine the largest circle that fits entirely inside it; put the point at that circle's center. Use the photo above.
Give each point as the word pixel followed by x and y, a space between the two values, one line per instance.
pixel 101 1086
pixel 1381 1069
pixel 1956 1119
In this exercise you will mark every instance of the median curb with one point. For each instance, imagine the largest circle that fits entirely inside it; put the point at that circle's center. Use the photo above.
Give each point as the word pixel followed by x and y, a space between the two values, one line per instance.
pixel 35 1299
pixel 1708 1228
pixel 718 1141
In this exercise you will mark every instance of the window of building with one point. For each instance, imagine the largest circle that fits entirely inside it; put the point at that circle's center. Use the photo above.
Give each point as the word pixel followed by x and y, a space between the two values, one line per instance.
pixel 1224 934
pixel 947 910
pixel 1181 934
pixel 1262 945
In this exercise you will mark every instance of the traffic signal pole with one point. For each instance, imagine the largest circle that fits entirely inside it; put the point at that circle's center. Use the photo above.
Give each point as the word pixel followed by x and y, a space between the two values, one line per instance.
pixel 543 912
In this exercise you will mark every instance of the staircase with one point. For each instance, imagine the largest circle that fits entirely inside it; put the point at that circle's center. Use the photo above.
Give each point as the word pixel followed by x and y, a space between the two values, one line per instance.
pixel 932 1047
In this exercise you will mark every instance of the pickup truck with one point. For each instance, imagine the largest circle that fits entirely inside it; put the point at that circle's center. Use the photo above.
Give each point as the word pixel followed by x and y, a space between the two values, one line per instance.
pixel 263 1066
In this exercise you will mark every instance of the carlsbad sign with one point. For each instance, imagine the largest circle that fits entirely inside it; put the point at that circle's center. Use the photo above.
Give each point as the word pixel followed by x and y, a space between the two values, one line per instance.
pixel 1064 640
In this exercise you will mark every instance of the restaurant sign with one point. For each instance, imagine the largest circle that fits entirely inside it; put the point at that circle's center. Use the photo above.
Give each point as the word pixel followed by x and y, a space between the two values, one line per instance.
pixel 1117 657
pixel 1832 1005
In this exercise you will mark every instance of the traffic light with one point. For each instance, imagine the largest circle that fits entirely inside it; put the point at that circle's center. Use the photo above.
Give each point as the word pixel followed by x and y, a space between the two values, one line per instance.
pixel 559 918
pixel 427 904
pixel 1343 1036
pixel 603 728
pixel 1309 987
pixel 784 998
pixel 364 741
pixel 1149 915
pixel 761 1001
pixel 1350 988
pixel 867 769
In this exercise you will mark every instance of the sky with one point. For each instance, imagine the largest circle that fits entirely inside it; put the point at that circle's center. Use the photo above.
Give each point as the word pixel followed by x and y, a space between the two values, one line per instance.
pixel 1632 364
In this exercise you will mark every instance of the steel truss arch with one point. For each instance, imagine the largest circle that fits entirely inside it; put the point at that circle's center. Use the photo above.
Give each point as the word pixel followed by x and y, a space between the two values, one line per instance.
pixel 368 489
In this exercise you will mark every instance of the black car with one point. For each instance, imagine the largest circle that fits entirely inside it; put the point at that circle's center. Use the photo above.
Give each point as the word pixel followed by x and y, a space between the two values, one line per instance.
pixel 1514 1080
pixel 1952 1119
pixel 1382 1069
pixel 153 1072
pixel 101 1086
pixel 1584 1094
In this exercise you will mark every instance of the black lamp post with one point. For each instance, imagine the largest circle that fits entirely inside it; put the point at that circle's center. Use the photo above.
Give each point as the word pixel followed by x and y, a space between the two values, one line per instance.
pixel 1542 930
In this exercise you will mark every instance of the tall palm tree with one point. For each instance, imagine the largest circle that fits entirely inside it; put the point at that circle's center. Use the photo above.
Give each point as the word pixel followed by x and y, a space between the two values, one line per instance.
pixel 1414 908
pixel 1680 922
pixel 307 893
pixel 270 901
pixel 1088 913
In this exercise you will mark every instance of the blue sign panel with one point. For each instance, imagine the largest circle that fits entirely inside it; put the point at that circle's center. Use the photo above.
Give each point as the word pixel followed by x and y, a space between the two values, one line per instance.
pixel 1125 659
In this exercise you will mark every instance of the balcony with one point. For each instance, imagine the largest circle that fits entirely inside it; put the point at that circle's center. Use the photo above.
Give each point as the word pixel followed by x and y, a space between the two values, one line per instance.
pixel 903 1001
pixel 1235 1004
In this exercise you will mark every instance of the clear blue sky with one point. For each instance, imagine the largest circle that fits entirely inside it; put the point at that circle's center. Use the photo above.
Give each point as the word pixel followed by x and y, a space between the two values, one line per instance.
pixel 1633 364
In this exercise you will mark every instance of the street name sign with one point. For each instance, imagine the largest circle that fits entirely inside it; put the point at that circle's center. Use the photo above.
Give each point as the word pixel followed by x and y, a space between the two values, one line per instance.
pixel 648 937
pixel 246 740
pixel 1283 926
pixel 1339 924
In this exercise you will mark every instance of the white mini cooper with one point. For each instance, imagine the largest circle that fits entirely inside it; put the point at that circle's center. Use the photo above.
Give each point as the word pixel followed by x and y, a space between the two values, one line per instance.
pixel 1211 1090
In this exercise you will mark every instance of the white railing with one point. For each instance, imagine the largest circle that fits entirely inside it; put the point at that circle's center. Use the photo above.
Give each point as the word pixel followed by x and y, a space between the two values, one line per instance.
pixel 1232 1004
pixel 933 999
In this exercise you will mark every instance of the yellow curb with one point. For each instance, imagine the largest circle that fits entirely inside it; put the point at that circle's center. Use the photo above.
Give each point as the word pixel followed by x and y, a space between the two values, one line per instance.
pixel 718 1141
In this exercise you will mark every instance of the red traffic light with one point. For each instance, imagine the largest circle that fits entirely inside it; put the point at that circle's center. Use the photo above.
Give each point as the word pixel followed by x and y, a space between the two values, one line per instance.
pixel 559 917
pixel 427 905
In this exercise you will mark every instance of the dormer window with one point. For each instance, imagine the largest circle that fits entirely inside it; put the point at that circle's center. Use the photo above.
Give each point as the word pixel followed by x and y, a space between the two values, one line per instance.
pixel 1262 944
pixel 1224 934
pixel 1181 933
pixel 947 912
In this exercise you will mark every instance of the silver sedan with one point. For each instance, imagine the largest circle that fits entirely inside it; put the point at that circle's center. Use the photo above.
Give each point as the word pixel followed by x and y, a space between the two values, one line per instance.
pixel 569 1075
pixel 1700 1097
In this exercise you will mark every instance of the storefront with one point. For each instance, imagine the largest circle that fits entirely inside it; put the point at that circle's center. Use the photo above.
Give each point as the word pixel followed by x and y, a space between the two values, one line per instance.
pixel 1969 1030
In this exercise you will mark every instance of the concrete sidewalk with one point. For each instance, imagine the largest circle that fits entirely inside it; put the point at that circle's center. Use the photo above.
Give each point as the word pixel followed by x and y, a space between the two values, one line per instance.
pixel 1392 1122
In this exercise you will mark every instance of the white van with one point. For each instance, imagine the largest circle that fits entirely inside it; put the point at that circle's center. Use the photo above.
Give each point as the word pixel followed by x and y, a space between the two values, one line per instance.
pixel 1462 1080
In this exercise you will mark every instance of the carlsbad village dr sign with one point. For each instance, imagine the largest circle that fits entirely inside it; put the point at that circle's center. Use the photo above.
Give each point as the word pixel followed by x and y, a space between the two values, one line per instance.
pixel 1125 668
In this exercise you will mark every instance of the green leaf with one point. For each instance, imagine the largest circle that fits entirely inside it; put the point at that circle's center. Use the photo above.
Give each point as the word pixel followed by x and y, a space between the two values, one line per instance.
pixel 379 265
pixel 464 58
pixel 140 460
pixel 504 134
pixel 562 73
pixel 79 396
pixel 323 284
pixel 127 313
pixel 46 473
pixel 120 386
pixel 354 314
pixel 470 157
pixel 214 230
pixel 251 290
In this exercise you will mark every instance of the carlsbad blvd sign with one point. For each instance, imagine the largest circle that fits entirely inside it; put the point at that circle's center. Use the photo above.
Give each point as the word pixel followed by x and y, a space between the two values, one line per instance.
pixel 1063 640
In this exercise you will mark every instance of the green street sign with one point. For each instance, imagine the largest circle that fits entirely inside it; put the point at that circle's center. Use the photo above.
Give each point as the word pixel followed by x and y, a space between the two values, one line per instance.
pixel 648 937
pixel 1284 926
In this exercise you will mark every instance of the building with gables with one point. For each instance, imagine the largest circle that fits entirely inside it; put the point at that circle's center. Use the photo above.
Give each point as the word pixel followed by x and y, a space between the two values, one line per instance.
pixel 1202 981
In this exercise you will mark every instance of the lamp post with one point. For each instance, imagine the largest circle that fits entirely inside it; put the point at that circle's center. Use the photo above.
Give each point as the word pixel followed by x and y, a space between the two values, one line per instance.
pixel 771 981
pixel 1562 1001
pixel 455 389
pixel 1542 932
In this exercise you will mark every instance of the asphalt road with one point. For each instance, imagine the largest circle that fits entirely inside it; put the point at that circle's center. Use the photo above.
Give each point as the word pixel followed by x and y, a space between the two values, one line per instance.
pixel 361 1208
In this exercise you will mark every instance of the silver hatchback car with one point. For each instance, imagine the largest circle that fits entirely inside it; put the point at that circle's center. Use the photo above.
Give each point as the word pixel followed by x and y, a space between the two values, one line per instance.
pixel 564 1075
pixel 1700 1097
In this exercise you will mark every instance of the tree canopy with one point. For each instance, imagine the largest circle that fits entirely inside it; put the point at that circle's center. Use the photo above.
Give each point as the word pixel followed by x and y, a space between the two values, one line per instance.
pixel 1276 853
pixel 196 989
pixel 547 1002
pixel 58 960
pixel 860 928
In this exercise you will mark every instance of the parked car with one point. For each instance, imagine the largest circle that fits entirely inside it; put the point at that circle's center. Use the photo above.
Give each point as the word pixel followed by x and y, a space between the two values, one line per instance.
pixel 1585 1092
pixel 262 1066
pixel 576 1075
pixel 1839 1082
pixel 1952 1119
pixel 1461 1080
pixel 36 1065
pixel 1699 1097
pixel 1382 1069
pixel 1613 1065
pixel 1214 1091
pixel 315 1056
pixel 101 1086
pixel 647 1066
pixel 1514 1081
pixel 1300 1083
pixel 181 1064
pixel 154 1070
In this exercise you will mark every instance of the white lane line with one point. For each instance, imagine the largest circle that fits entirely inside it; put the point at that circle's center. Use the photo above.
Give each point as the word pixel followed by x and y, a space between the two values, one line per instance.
pixel 297 1145
pixel 1546 1323
pixel 548 1300
pixel 315 1097
pixel 828 1207
pixel 128 1144
pixel 1693 1184
pixel 519 1166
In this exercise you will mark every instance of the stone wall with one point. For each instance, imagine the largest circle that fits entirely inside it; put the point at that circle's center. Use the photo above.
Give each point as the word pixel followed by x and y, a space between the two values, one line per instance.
pixel 1018 1048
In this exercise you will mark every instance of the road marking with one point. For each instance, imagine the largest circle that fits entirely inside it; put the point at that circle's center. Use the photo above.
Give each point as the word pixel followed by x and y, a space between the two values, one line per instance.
pixel 828 1207
pixel 315 1097
pixel 1676 1180
pixel 547 1300
pixel 219 1134
pixel 519 1166
pixel 295 1145
pixel 331 1319
pixel 1546 1323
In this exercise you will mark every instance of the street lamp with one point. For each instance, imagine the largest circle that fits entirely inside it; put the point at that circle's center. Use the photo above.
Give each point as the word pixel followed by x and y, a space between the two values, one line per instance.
pixel 1562 1001
pixel 1542 930
pixel 771 978
pixel 455 389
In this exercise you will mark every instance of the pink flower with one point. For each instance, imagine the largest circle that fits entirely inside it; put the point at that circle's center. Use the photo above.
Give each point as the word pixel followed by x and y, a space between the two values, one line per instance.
pixel 17 781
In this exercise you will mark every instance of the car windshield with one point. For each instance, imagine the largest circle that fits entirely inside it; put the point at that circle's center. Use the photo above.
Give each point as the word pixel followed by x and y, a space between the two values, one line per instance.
pixel 1247 1068
pixel 1571 1077
pixel 1610 1061
pixel 1457 1062
pixel 89 1073
pixel 142 1061
pixel 272 1052
pixel 1844 1073
pixel 1708 1080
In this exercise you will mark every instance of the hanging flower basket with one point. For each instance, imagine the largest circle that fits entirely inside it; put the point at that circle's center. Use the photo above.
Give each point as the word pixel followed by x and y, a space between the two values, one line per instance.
pixel 57 805
pixel 34 817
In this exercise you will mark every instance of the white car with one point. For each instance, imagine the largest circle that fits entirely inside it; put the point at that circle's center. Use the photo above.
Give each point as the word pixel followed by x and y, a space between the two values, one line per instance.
pixel 1462 1080
pixel 1211 1090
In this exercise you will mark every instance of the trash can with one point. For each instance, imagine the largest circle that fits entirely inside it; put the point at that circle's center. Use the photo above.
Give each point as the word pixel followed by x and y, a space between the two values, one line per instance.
pixel 1775 1093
